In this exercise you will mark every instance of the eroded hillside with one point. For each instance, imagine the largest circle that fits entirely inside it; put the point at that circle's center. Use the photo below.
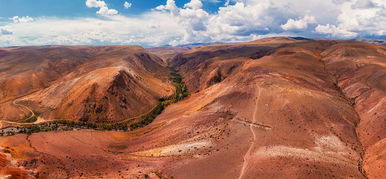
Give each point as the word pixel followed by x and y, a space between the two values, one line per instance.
pixel 91 84
pixel 271 108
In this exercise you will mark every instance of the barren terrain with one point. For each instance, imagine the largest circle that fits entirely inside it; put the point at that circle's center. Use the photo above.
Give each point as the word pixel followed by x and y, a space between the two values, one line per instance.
pixel 91 84
pixel 271 108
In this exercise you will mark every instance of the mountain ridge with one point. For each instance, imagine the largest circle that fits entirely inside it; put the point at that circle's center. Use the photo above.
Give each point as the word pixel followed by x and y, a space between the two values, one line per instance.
pixel 261 109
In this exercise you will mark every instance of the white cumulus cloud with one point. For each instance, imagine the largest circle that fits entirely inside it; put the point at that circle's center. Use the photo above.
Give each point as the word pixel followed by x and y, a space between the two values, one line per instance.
pixel 357 18
pixel 194 4
pixel 127 5
pixel 17 19
pixel 169 6
pixel 335 31
pixel 152 29
pixel 299 24
pixel 103 8
pixel 237 20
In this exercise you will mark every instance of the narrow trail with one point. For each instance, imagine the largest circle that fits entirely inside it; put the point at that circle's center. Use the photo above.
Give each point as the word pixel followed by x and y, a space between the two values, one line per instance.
pixel 255 124
pixel 17 97
pixel 248 153
pixel 38 121
pixel 25 107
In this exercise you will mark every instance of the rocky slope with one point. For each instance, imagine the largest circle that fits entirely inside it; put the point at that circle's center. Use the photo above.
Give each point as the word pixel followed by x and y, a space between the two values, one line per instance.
pixel 360 73
pixel 97 84
pixel 271 108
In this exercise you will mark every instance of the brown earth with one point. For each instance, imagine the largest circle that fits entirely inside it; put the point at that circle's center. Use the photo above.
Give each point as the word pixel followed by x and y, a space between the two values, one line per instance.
pixel 98 84
pixel 272 108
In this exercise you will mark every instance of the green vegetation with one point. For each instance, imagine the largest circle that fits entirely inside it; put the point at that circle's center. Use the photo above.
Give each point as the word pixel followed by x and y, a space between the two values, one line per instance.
pixel 181 92
pixel 65 125
pixel 150 117
pixel 30 119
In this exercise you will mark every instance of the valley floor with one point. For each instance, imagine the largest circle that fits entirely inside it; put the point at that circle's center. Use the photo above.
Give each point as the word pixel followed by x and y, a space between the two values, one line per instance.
pixel 271 108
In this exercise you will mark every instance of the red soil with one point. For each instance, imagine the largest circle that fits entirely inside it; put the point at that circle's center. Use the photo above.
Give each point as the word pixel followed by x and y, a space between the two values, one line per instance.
pixel 287 109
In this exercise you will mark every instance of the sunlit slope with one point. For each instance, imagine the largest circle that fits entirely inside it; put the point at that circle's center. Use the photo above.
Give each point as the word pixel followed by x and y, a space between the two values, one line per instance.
pixel 97 84
pixel 271 108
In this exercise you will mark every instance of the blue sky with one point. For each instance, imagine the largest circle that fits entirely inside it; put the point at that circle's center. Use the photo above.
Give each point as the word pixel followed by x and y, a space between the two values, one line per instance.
pixel 174 22
pixel 78 8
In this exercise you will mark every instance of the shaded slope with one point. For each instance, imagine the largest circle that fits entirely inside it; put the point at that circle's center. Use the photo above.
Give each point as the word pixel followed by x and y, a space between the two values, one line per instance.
pixel 289 113
pixel 208 65
pixel 302 124
pixel 100 84
pixel 360 72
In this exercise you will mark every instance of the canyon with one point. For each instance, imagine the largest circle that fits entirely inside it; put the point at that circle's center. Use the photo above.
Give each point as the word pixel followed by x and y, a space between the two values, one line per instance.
pixel 278 107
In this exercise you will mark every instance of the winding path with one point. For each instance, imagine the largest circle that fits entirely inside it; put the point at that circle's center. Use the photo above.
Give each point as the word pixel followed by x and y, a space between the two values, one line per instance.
pixel 248 153
pixel 38 121
pixel 25 107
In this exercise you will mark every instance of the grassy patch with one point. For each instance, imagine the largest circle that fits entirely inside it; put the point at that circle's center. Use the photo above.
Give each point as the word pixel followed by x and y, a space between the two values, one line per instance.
pixel 29 119
pixel 181 92
pixel 65 125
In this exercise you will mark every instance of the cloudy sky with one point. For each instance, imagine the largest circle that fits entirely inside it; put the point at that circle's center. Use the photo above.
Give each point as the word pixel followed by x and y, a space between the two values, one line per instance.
pixel 173 22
